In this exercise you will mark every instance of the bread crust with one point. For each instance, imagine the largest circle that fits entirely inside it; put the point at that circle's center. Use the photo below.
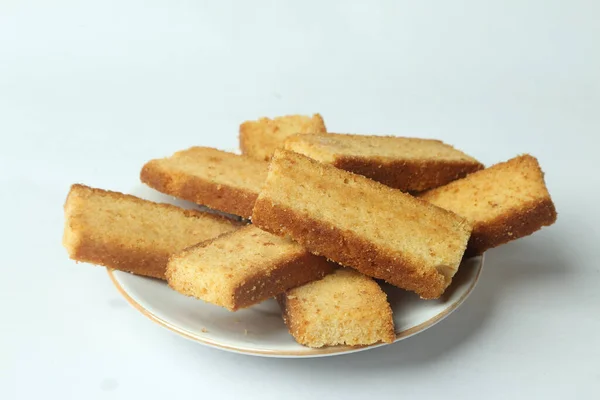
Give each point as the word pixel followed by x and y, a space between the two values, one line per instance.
pixel 222 197
pixel 291 273
pixel 522 222
pixel 135 261
pixel 408 175
pixel 404 163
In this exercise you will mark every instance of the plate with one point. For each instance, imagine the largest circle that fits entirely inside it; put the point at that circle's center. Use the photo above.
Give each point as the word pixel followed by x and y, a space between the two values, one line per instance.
pixel 259 330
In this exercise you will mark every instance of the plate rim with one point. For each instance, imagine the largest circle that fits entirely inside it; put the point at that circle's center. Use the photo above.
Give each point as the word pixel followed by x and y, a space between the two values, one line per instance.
pixel 306 353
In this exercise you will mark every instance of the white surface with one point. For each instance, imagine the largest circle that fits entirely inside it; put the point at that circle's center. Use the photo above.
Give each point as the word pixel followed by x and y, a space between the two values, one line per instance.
pixel 260 330
pixel 88 92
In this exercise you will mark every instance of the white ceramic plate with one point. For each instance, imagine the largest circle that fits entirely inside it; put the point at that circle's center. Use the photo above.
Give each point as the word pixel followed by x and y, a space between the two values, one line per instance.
pixel 259 330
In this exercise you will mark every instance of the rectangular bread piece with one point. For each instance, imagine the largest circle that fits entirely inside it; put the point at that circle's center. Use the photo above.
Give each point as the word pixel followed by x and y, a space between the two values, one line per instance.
pixel 131 234
pixel 218 179
pixel 259 139
pixel 408 164
pixel 344 308
pixel 504 202
pixel 243 268
pixel 363 224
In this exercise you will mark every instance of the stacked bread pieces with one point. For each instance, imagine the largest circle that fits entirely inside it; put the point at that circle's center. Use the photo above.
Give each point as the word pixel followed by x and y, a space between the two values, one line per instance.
pixel 362 224
pixel 408 164
pixel 312 196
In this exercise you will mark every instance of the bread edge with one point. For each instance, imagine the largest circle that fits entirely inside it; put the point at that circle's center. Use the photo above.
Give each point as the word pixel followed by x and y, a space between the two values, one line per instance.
pixel 220 197
pixel 315 266
pixel 408 175
pixel 506 228
pixel 358 253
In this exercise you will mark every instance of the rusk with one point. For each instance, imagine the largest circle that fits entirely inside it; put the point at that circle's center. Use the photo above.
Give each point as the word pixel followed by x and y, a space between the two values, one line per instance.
pixel 130 234
pixel 221 180
pixel 504 202
pixel 344 308
pixel 259 139
pixel 242 268
pixel 362 224
pixel 408 164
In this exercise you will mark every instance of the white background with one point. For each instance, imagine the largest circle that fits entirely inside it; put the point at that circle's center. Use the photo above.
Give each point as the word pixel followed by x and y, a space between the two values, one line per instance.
pixel 89 91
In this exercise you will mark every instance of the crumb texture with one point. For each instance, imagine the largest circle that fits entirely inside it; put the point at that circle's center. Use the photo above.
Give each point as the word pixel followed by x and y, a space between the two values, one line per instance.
pixel 218 179
pixel 344 308
pixel 130 234
pixel 505 202
pixel 243 268
pixel 362 224
pixel 259 139
pixel 408 164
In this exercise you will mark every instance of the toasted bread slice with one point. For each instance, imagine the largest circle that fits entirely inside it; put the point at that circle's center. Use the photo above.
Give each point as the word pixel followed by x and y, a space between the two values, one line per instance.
pixel 344 308
pixel 130 234
pixel 362 224
pixel 408 164
pixel 243 268
pixel 220 180
pixel 504 202
pixel 259 139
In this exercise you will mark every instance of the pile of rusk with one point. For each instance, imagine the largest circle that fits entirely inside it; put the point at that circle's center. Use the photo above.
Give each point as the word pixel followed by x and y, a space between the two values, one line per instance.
pixel 329 212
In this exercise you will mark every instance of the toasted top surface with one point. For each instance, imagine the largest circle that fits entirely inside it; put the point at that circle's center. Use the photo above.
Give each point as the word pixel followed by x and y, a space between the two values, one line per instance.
pixel 492 192
pixel 345 307
pixel 135 222
pixel 381 215
pixel 345 292
pixel 329 147
pixel 217 166
pixel 231 259
pixel 286 125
